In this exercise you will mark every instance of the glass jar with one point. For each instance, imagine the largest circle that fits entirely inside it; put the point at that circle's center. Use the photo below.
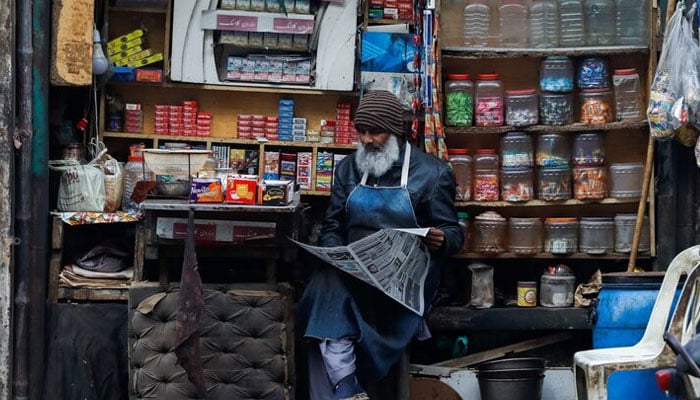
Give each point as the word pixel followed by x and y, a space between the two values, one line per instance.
pixel 596 106
pixel 600 22
pixel 476 23
pixel 561 235
pixel 557 285
pixel 543 21
pixel 553 150
pixel 590 182
pixel 589 148
pixel 631 22
pixel 516 184
pixel 554 183
pixel 524 235
pixel 482 292
pixel 135 170
pixel 593 73
pixel 512 26
pixel 463 220
pixel 486 177
pixel 556 108
pixel 624 233
pixel 490 230
pixel 626 180
pixel 522 107
pixel 628 94
pixel 596 235
pixel 459 100
pixel 516 150
pixel 557 74
pixel 571 32
pixel 461 163
pixel 489 100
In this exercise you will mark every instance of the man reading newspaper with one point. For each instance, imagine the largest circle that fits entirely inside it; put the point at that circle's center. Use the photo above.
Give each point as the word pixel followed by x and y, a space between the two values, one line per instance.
pixel 387 183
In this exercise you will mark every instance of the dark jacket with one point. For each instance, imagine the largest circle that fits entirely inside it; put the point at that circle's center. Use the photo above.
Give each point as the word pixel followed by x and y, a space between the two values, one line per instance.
pixel 431 186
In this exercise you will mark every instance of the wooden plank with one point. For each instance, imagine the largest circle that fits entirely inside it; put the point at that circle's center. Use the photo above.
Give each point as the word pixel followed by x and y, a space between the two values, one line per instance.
pixel 56 233
pixel 499 352
pixel 85 294
pixel 573 128
pixel 71 42
pixel 447 318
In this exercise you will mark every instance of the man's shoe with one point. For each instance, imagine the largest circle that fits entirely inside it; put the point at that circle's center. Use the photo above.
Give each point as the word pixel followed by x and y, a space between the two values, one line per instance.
pixel 349 388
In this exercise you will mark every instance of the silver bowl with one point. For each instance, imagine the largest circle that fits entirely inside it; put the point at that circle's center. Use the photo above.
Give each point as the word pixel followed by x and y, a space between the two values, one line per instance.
pixel 174 189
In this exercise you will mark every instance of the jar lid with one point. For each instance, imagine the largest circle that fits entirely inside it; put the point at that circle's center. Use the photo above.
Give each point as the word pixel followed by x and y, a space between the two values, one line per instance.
pixel 606 90
pixel 556 94
pixel 490 216
pixel 527 284
pixel 557 58
pixel 525 220
pixel 486 151
pixel 626 71
pixel 135 158
pixel 457 151
pixel 520 92
pixel 489 77
pixel 463 215
pixel 458 77
pixel 559 220
pixel 557 270
pixel 588 135
pixel 623 166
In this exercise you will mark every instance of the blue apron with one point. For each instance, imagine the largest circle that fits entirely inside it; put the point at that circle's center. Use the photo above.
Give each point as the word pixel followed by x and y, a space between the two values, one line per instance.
pixel 336 305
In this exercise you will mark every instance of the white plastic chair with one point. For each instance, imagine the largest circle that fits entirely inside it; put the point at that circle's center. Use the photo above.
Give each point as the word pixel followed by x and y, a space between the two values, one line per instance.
pixel 592 368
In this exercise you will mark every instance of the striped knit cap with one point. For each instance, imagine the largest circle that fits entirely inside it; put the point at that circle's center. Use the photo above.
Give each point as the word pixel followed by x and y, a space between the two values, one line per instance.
pixel 380 109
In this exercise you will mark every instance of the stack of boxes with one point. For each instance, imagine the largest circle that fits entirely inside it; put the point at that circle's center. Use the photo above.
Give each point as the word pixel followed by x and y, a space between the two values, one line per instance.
pixel 133 118
pixel 127 53
pixel 391 9
pixel 286 120
pixel 182 120
pixel 304 160
pixel 345 132
pixel 257 127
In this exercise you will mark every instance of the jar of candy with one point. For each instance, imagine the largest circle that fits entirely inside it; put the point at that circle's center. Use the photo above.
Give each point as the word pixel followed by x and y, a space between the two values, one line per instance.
pixel 516 150
pixel 556 108
pixel 557 74
pixel 490 230
pixel 596 235
pixel 522 107
pixel 486 179
pixel 593 73
pixel 589 148
pixel 489 100
pixel 628 94
pixel 461 163
pixel 516 184
pixel 553 150
pixel 554 183
pixel 459 100
pixel 596 106
pixel 524 235
pixel 561 235
pixel 590 182
pixel 557 285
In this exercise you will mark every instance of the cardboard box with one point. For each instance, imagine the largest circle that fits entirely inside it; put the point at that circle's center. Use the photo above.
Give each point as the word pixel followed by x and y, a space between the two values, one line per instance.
pixel 276 193
pixel 241 189
pixel 210 230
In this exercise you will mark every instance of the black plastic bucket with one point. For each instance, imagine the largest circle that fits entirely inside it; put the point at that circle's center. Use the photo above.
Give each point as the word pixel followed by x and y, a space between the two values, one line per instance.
pixel 512 379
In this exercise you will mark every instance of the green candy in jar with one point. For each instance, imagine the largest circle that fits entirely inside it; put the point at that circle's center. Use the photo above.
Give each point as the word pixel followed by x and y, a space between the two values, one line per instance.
pixel 459 100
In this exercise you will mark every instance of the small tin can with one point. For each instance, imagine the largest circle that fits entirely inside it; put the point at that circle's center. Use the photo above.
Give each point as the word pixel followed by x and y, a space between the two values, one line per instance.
pixel 527 294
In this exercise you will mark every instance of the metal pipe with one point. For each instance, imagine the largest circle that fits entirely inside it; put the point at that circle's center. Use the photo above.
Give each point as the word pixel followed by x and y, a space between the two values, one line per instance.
pixel 23 139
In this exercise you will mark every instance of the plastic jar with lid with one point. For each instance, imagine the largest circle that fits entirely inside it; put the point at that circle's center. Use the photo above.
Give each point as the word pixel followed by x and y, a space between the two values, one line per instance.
pixel 600 22
pixel 522 107
pixel 561 235
pixel 556 108
pixel 590 182
pixel 596 106
pixel 593 73
pixel 516 150
pixel 524 235
pixel 490 233
pixel 459 100
pixel 516 184
pixel 628 94
pixel 596 235
pixel 489 100
pixel 626 180
pixel 589 148
pixel 461 163
pixel 135 170
pixel 624 233
pixel 554 183
pixel 557 74
pixel 486 179
pixel 463 220
pixel 553 150
pixel 543 24
pixel 557 285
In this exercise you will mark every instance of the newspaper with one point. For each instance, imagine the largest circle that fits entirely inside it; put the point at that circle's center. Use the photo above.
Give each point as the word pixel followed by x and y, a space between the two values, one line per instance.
pixel 394 261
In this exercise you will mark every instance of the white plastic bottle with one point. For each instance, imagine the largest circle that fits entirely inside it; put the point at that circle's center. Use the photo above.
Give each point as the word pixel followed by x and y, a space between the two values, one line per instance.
pixel 512 17
pixel 543 27
pixel 476 25
pixel 571 26
pixel 632 22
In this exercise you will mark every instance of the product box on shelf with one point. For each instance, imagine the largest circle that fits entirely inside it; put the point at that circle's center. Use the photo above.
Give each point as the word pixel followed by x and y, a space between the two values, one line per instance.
pixel 276 192
pixel 206 190
pixel 324 171
pixel 241 189
pixel 271 168
pixel 304 159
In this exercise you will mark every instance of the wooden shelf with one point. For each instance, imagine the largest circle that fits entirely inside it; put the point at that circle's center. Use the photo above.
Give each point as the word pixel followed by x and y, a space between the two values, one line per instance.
pixel 502 52
pixel 509 318
pixel 92 294
pixel 141 10
pixel 549 256
pixel 238 87
pixel 385 21
pixel 542 203
pixel 451 130
pixel 314 193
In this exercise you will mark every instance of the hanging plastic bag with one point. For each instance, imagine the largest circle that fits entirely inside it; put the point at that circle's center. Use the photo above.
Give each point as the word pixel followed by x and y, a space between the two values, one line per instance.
pixel 114 183
pixel 82 187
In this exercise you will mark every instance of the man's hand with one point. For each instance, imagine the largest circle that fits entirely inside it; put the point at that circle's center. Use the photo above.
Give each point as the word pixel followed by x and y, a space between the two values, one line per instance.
pixel 434 239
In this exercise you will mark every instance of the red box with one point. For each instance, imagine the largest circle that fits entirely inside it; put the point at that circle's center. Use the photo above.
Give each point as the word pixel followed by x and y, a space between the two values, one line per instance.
pixel 149 75
pixel 241 189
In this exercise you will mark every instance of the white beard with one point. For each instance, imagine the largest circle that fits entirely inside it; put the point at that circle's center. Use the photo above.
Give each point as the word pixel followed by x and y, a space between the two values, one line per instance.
pixel 377 162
